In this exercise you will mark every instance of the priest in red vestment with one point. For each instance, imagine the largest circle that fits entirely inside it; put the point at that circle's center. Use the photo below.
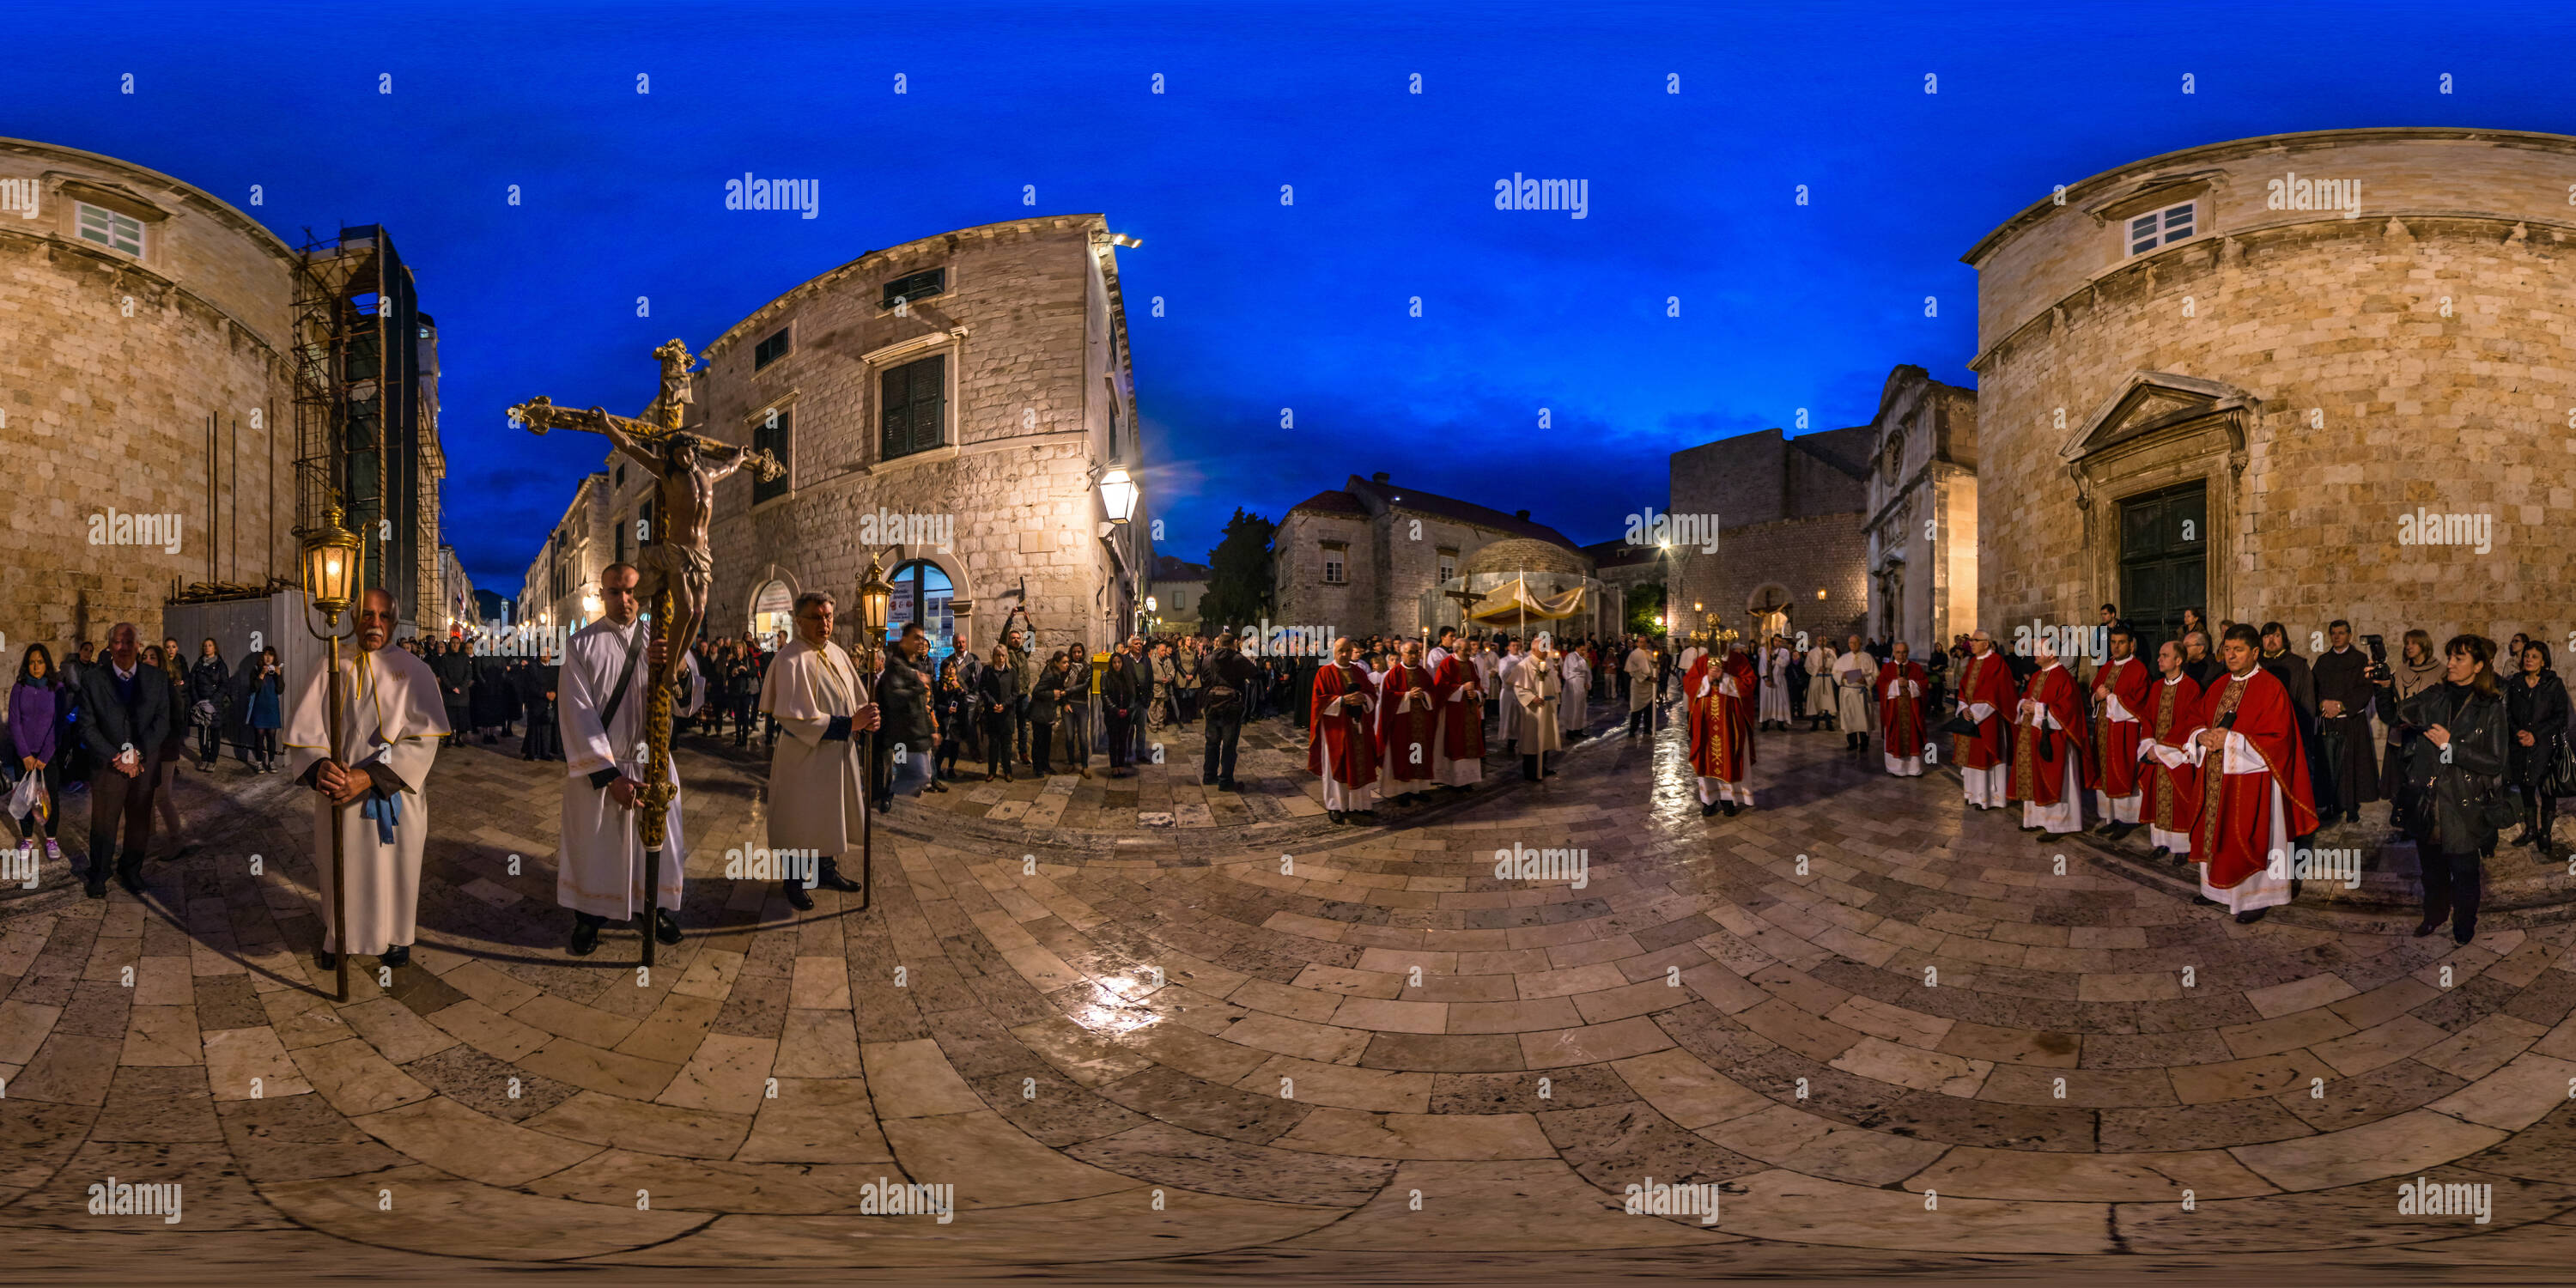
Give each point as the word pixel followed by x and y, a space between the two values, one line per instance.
pixel 1986 699
pixel 1900 712
pixel 2048 752
pixel 1341 740
pixel 1458 749
pixel 2119 697
pixel 2254 790
pixel 1721 694
pixel 2169 778
pixel 1408 723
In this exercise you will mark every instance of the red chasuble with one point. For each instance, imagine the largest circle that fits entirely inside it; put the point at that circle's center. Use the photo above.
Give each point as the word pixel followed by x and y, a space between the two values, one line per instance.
pixel 1984 679
pixel 2115 742
pixel 1721 726
pixel 2040 754
pixel 1900 718
pixel 2234 833
pixel 1404 735
pixel 1462 719
pixel 2173 795
pixel 1350 734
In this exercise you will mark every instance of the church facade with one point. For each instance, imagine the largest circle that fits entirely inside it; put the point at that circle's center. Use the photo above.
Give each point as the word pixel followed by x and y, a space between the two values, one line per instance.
pixel 1923 511
pixel 2296 378
pixel 1788 515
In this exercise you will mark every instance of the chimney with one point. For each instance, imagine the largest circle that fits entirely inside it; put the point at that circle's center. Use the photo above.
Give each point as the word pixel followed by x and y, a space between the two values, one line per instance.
pixel 1379 477
pixel 1520 514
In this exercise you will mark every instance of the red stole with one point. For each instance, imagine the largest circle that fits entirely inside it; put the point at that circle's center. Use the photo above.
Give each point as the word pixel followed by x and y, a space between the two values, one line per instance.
pixel 1721 726
pixel 1349 735
pixel 2115 742
pixel 1462 720
pixel 2234 833
pixel 1988 680
pixel 2173 795
pixel 1404 737
pixel 2040 754
pixel 1900 718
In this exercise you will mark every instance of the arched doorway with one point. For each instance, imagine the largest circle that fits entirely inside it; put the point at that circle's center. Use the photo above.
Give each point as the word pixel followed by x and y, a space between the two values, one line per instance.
pixel 922 593
pixel 773 617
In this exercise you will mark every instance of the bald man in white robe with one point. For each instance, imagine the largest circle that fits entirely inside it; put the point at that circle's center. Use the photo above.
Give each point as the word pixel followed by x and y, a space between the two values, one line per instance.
pixel 375 788
pixel 600 872
pixel 817 802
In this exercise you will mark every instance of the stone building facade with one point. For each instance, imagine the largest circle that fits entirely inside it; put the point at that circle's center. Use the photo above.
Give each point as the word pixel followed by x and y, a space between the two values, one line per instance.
pixel 1789 513
pixel 954 403
pixel 1923 511
pixel 1358 558
pixel 2251 374
pixel 1177 588
pixel 560 594
pixel 135 310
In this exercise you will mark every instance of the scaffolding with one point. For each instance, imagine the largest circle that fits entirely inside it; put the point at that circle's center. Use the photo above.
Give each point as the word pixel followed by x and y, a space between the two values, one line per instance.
pixel 360 407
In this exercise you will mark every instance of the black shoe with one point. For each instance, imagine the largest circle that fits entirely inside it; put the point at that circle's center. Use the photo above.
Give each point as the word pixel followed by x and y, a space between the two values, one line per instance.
pixel 325 958
pixel 830 878
pixel 1729 807
pixel 585 937
pixel 397 955
pixel 132 879
pixel 2249 918
pixel 2524 839
pixel 1708 810
pixel 2427 928
pixel 797 898
pixel 2158 853
pixel 2462 935
pixel 94 889
pixel 1333 814
pixel 1207 779
pixel 666 927
pixel 1228 785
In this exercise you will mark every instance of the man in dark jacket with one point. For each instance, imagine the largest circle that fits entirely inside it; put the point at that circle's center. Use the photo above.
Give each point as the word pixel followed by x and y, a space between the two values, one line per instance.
pixel 1229 677
pixel 455 670
pixel 125 720
pixel 537 694
pixel 905 694
pixel 1123 687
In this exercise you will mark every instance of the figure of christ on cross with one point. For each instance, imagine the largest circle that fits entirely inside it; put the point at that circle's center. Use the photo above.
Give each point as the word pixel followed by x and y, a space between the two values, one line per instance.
pixel 687 466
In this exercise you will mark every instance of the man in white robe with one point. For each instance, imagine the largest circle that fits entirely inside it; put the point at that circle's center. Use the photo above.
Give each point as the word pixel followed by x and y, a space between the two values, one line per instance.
pixel 1850 674
pixel 375 788
pixel 1440 651
pixel 1823 703
pixel 1507 674
pixel 1640 667
pixel 600 872
pixel 1536 689
pixel 817 797
pixel 1488 675
pixel 1577 709
pixel 1774 665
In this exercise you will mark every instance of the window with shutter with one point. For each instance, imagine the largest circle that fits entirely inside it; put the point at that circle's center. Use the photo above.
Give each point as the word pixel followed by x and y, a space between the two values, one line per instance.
pixel 913 402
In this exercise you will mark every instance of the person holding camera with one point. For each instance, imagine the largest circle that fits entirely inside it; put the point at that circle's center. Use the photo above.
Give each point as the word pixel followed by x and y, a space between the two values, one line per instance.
pixel 2456 733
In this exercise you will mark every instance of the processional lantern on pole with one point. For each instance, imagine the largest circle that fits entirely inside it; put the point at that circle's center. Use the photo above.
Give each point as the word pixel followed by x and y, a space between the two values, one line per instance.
pixel 876 602
pixel 330 567
pixel 675 570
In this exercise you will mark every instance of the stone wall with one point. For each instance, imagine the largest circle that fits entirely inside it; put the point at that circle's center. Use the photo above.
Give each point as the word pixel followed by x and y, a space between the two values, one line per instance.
pixel 1798 556
pixel 110 365
pixel 2418 356
pixel 1033 333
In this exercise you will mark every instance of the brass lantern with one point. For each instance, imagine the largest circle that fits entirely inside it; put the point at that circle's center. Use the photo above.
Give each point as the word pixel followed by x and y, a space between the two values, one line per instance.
pixel 876 599
pixel 1118 494
pixel 331 565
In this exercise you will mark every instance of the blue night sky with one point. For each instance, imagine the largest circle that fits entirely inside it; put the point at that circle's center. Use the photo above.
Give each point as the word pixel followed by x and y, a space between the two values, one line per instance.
pixel 1266 306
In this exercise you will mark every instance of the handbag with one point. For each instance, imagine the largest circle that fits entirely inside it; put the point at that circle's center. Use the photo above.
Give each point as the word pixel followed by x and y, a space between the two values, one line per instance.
pixel 2560 778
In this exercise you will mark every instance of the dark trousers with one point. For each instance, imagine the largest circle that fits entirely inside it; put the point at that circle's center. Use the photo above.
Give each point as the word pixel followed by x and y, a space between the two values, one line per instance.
pixel 1637 720
pixel 115 798
pixel 945 764
pixel 52 773
pixel 1042 746
pixel 210 739
pixel 1122 740
pixel 1022 729
pixel 2452 885
pixel 1077 736
pixel 1222 732
pixel 997 741
pixel 540 742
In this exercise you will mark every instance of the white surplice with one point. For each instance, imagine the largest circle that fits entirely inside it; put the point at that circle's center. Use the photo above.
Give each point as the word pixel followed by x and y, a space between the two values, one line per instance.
pixel 392 713
pixel 816 800
pixel 1577 709
pixel 600 870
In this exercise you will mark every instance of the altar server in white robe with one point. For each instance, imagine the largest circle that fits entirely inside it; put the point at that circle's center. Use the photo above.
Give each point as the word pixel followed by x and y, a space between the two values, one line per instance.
pixel 1852 672
pixel 1537 687
pixel 1823 703
pixel 1775 684
pixel 391 723
pixel 600 873
pixel 1507 674
pixel 816 800
pixel 1577 708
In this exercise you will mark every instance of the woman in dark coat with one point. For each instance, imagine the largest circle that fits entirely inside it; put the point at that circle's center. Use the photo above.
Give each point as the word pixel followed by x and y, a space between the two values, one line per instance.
pixel 2535 705
pixel 993 701
pixel 2455 766
pixel 956 710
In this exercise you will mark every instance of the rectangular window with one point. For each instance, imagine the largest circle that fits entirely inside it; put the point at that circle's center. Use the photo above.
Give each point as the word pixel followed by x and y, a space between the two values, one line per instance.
pixel 1333 564
pixel 774 436
pixel 913 406
pixel 769 350
pixel 110 229
pixel 1448 564
pixel 916 286
pixel 2160 228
